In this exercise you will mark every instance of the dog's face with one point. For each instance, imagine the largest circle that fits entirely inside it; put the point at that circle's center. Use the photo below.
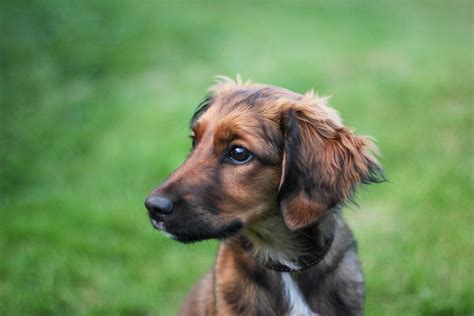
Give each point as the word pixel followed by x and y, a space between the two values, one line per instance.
pixel 259 150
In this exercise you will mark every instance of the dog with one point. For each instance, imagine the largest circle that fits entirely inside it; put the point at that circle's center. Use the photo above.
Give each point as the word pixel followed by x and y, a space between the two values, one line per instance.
pixel 268 175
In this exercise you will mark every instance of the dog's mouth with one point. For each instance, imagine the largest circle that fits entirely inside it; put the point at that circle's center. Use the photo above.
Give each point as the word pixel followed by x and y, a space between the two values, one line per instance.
pixel 197 232
pixel 159 224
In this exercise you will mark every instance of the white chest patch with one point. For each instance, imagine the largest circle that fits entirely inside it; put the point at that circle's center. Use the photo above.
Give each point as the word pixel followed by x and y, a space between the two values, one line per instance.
pixel 296 302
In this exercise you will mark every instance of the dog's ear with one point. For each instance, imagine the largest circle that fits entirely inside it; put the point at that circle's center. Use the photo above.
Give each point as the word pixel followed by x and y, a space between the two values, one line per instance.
pixel 322 164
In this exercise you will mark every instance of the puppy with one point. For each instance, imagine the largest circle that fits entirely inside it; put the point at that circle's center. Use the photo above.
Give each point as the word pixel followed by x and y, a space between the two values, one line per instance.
pixel 268 174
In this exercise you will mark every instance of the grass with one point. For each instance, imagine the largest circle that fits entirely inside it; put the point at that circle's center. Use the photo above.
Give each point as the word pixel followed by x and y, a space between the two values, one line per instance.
pixel 95 101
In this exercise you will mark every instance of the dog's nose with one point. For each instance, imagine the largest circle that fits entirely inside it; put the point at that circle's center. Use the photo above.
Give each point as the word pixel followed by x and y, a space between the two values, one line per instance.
pixel 159 204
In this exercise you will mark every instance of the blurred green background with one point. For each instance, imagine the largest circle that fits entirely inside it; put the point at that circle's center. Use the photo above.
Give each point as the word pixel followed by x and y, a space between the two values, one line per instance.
pixel 95 102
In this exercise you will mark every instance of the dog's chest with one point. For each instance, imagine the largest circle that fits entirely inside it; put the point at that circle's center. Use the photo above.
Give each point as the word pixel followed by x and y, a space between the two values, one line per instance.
pixel 296 302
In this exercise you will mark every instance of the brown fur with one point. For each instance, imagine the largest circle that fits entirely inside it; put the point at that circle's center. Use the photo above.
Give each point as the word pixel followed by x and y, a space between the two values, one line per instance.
pixel 285 201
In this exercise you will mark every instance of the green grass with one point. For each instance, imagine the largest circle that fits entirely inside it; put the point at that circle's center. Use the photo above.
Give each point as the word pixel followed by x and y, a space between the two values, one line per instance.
pixel 95 101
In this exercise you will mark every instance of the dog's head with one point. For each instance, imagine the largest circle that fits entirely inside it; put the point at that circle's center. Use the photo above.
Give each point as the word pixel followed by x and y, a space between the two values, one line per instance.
pixel 259 149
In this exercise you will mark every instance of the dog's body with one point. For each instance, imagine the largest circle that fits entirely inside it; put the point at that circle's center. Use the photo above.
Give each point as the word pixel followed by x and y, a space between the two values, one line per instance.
pixel 239 285
pixel 269 172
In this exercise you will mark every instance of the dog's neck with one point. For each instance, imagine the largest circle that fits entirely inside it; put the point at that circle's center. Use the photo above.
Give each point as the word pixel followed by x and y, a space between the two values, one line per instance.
pixel 271 243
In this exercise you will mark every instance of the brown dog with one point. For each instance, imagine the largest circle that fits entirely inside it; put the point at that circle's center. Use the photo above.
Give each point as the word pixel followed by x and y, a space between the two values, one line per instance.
pixel 268 174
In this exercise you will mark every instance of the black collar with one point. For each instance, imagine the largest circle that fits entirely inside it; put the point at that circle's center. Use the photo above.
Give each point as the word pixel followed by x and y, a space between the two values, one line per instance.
pixel 302 262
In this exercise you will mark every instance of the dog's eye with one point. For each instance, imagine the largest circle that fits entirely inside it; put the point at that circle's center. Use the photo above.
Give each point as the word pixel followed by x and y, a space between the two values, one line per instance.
pixel 239 155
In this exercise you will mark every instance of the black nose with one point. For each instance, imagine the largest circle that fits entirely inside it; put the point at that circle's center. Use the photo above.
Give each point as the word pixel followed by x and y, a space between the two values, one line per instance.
pixel 159 204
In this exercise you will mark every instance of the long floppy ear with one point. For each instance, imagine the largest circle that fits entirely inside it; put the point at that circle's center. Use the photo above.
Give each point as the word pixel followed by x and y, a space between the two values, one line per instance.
pixel 323 162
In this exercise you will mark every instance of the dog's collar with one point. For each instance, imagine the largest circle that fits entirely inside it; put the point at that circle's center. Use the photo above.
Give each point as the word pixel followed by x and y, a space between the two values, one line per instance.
pixel 302 262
